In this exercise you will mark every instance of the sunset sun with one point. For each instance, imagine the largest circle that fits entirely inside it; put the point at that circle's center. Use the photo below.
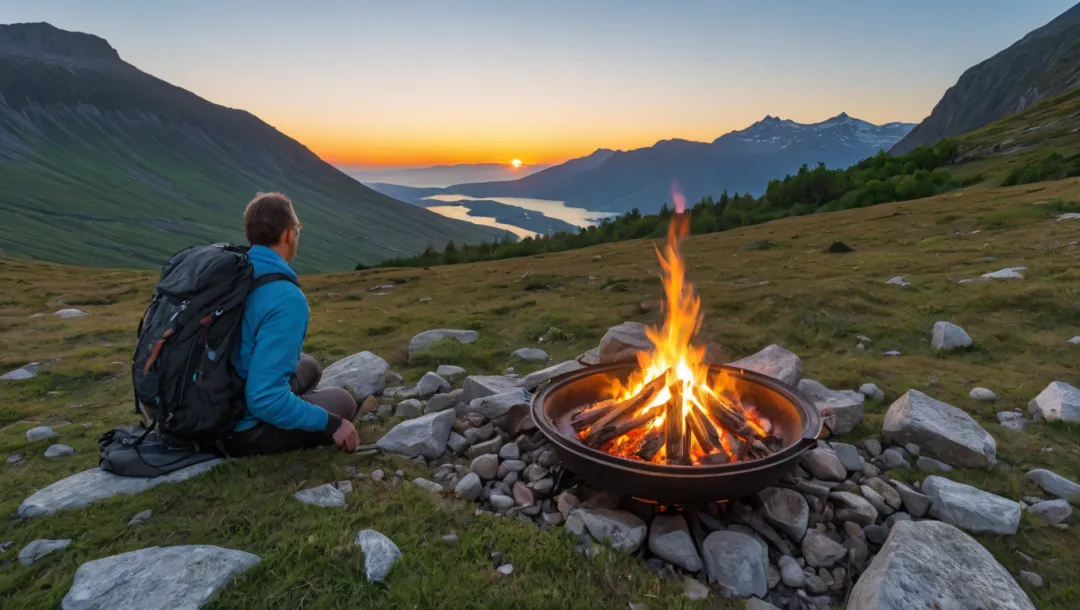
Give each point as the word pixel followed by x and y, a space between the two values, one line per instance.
pixel 516 163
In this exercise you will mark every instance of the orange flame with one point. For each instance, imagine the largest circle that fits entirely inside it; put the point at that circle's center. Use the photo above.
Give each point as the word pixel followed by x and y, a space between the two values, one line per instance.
pixel 675 356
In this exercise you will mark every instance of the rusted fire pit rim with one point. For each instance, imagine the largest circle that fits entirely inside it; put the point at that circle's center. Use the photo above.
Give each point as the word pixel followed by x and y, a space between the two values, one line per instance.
pixel 812 429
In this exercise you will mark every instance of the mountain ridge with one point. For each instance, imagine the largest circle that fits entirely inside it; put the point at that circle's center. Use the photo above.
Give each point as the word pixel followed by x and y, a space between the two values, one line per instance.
pixel 139 168
pixel 740 160
pixel 1042 64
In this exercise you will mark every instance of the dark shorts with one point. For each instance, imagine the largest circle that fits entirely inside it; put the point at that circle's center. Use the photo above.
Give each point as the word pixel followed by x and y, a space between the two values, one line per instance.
pixel 266 438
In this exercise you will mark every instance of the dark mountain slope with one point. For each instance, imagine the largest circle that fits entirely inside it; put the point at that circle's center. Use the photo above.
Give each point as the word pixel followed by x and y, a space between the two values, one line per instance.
pixel 1040 65
pixel 104 165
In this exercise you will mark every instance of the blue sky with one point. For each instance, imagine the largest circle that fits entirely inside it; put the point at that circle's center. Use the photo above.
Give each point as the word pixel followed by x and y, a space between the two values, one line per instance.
pixel 414 82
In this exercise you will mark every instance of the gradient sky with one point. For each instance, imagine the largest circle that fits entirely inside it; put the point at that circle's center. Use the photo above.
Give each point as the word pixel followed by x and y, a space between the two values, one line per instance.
pixel 411 83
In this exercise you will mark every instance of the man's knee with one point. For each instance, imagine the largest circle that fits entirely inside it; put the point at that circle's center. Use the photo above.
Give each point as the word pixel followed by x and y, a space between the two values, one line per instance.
pixel 335 400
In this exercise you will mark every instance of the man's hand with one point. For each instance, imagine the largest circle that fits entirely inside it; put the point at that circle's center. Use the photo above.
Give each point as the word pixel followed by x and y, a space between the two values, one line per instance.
pixel 346 437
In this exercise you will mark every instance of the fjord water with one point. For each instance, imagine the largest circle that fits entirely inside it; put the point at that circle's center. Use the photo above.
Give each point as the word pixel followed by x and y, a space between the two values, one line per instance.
pixel 462 213
pixel 553 209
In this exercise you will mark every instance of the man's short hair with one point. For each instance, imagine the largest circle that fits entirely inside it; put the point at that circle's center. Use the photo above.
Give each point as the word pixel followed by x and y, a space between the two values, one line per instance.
pixel 266 217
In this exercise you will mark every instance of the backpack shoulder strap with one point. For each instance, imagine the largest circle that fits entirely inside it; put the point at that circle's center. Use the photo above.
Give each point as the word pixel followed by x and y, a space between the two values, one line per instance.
pixel 263 280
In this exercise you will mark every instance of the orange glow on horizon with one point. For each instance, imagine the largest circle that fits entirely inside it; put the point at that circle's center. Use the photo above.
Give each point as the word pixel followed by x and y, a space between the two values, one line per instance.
pixel 448 144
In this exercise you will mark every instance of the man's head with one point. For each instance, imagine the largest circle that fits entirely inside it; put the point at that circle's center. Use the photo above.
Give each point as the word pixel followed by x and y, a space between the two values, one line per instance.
pixel 270 221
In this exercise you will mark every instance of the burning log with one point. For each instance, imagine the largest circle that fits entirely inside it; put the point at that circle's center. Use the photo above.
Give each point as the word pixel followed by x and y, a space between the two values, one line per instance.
pixel 598 435
pixel 708 438
pixel 591 414
pixel 729 420
pixel 652 443
pixel 602 416
pixel 675 439
pixel 716 458
pixel 737 447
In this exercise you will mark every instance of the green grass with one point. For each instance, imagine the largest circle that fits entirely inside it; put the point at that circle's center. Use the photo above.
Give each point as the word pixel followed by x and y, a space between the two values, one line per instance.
pixel 1016 148
pixel 796 295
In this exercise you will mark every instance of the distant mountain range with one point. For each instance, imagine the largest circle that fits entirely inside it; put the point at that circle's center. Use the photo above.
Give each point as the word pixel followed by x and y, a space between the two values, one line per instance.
pixel 1040 65
pixel 443 175
pixel 739 161
pixel 104 165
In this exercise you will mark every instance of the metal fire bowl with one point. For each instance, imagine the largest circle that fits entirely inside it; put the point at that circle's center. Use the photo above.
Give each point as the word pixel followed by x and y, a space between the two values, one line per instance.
pixel 794 419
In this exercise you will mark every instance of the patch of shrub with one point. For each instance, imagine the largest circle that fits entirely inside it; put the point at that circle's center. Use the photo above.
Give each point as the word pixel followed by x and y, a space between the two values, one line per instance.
pixel 1053 166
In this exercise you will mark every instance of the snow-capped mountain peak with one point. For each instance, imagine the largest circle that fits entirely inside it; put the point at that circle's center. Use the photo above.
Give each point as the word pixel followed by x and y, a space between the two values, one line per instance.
pixel 775 133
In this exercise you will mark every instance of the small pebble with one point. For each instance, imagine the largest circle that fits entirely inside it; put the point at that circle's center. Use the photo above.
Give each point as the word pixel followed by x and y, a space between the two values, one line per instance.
pixel 140 517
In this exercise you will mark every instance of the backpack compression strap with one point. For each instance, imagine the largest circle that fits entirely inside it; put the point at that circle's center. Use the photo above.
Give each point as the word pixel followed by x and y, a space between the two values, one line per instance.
pixel 263 280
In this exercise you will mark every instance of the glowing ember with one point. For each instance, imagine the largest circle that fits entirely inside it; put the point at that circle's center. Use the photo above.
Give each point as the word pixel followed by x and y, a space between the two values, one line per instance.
pixel 672 409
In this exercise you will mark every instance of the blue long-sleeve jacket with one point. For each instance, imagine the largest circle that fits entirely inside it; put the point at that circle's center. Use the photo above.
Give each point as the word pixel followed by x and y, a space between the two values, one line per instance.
pixel 274 326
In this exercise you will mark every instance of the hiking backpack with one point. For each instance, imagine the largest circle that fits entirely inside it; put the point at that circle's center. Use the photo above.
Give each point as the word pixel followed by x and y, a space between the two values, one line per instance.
pixel 182 370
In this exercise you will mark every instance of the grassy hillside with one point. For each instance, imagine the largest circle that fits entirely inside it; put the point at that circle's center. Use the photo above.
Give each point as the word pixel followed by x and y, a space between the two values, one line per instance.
pixel 793 294
pixel 103 165
pixel 1021 140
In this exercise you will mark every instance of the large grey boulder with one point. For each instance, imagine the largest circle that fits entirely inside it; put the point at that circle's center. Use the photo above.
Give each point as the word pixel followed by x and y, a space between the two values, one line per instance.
pixel 871 391
pixel 469 487
pixel 421 342
pixel 173 577
pixel 940 430
pixel 59 451
pixel 479 386
pixel 969 508
pixel 842 409
pixel 853 507
pixel 425 435
pixel 26 372
pixel 441 402
pixel 380 553
pixel 736 561
pixel 85 488
pixel 787 510
pixel 67 314
pixel 39 433
pixel 364 374
pixel 928 564
pixel 40 548
pixel 775 362
pixel 533 380
pixel 621 530
pixel 670 540
pixel 324 496
pixel 530 354
pixel 1059 401
pixel 450 372
pixel 948 336
pixel 915 503
pixel 409 408
pixel 431 384
pixel 496 405
pixel 1009 273
pixel 821 551
pixel 623 342
pixel 1055 484
pixel 823 464
pixel 1054 511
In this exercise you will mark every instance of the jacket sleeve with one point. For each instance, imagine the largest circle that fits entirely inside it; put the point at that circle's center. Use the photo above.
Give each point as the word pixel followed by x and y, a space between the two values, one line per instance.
pixel 278 340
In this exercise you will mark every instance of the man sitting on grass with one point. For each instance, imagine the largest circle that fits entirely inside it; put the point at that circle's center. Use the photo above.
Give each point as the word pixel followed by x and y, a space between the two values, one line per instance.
pixel 284 410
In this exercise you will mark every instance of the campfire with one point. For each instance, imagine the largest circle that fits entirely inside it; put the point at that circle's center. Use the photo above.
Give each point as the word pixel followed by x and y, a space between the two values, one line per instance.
pixel 674 408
